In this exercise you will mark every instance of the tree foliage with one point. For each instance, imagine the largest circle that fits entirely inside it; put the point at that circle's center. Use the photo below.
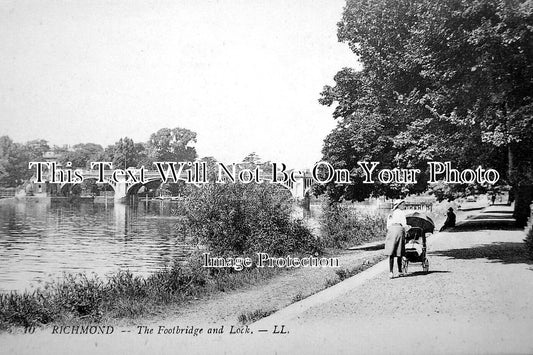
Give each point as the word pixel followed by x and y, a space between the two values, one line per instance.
pixel 242 219
pixel 164 145
pixel 14 158
pixel 441 80
pixel 81 154
pixel 126 153
pixel 172 145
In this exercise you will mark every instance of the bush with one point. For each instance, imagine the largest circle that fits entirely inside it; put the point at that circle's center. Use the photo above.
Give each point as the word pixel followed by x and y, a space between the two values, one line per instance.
pixel 343 226
pixel 80 295
pixel 26 309
pixel 241 219
pixel 90 298
pixel 251 317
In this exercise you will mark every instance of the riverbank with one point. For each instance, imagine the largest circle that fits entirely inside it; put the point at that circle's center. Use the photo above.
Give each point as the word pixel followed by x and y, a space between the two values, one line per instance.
pixel 123 298
pixel 253 301
pixel 179 292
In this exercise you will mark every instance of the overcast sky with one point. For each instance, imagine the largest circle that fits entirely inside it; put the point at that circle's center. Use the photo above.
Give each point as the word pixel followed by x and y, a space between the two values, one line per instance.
pixel 245 75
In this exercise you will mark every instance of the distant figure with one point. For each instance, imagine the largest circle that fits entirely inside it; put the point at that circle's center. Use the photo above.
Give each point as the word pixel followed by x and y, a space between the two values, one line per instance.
pixel 493 198
pixel 450 220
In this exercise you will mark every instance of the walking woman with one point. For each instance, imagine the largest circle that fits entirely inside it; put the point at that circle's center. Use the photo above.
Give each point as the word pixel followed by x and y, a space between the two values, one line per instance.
pixel 395 241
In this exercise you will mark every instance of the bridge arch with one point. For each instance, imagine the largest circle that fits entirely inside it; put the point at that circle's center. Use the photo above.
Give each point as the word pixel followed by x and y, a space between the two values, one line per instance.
pixel 134 188
pixel 300 188
pixel 66 188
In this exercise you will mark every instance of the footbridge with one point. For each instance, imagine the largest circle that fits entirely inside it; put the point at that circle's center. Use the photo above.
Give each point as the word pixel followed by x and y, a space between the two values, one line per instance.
pixel 129 184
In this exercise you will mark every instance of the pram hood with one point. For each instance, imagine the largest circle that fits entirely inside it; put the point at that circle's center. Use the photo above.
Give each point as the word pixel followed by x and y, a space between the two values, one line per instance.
pixel 420 220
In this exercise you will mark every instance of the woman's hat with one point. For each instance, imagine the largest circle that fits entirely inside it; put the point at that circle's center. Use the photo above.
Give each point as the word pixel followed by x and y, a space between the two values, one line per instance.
pixel 397 204
pixel 450 209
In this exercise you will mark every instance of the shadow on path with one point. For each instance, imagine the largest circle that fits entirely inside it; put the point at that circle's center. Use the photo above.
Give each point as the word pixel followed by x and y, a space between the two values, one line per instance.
pixel 422 273
pixel 503 210
pixel 484 224
pixel 502 252
pixel 492 219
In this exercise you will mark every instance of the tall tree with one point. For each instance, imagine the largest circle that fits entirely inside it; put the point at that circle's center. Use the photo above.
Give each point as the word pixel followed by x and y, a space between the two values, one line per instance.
pixel 252 159
pixel 171 145
pixel 125 153
pixel 82 154
pixel 441 80
pixel 14 160
pixel 36 149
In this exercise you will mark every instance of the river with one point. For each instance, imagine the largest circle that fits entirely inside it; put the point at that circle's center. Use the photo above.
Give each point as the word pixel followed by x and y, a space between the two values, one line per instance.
pixel 40 240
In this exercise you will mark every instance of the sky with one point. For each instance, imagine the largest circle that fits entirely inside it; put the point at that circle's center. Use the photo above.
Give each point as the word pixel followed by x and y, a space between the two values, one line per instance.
pixel 245 75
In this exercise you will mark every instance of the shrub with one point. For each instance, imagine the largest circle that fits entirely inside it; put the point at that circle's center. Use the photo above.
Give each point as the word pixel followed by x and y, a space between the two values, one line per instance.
pixel 241 219
pixel 251 317
pixel 298 297
pixel 79 295
pixel 90 298
pixel 343 226
pixel 26 309
pixel 331 282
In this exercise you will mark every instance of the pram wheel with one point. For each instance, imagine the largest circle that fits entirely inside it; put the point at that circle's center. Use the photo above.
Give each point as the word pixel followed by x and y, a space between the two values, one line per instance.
pixel 405 264
pixel 425 265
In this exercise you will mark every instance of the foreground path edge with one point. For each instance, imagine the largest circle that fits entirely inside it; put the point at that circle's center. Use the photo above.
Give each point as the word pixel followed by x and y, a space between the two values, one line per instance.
pixel 294 310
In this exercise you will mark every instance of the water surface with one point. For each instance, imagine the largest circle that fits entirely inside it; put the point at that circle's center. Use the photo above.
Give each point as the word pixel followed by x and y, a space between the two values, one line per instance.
pixel 41 240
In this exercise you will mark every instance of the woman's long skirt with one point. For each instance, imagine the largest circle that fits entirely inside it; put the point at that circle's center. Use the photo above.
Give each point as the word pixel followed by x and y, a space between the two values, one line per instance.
pixel 395 241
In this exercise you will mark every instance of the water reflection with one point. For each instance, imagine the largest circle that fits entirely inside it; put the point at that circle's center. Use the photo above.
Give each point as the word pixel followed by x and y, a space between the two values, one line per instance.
pixel 39 241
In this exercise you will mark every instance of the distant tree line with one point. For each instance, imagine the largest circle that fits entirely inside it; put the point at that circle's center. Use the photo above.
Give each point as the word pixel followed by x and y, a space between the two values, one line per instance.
pixel 176 144
pixel 166 144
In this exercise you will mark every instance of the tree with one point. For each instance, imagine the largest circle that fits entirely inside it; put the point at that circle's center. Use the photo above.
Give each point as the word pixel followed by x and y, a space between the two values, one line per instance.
pixel 125 153
pixel 83 154
pixel 252 159
pixel 211 166
pixel 36 149
pixel 441 80
pixel 173 145
pixel 142 154
pixel 14 160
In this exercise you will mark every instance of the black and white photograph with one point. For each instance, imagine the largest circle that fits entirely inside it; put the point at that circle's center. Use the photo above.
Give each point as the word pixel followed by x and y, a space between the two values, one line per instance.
pixel 266 177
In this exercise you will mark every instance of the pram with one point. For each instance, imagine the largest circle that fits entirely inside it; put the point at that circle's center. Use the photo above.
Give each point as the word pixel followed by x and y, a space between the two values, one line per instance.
pixel 415 240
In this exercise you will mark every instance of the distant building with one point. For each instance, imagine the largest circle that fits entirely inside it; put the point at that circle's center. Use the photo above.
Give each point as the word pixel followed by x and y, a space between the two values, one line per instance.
pixel 51 156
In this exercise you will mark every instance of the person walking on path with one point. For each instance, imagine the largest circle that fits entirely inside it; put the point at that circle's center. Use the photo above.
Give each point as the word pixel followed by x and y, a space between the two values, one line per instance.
pixel 395 240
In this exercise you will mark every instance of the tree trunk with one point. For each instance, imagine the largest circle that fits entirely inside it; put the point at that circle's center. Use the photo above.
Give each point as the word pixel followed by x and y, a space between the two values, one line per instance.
pixel 523 199
pixel 522 194
pixel 510 166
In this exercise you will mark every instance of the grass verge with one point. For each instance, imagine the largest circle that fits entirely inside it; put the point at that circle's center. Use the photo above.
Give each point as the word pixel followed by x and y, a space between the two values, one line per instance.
pixel 250 317
pixel 81 298
pixel 341 274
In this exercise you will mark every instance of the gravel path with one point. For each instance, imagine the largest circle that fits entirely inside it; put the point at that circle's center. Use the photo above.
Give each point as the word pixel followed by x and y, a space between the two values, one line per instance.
pixel 477 298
